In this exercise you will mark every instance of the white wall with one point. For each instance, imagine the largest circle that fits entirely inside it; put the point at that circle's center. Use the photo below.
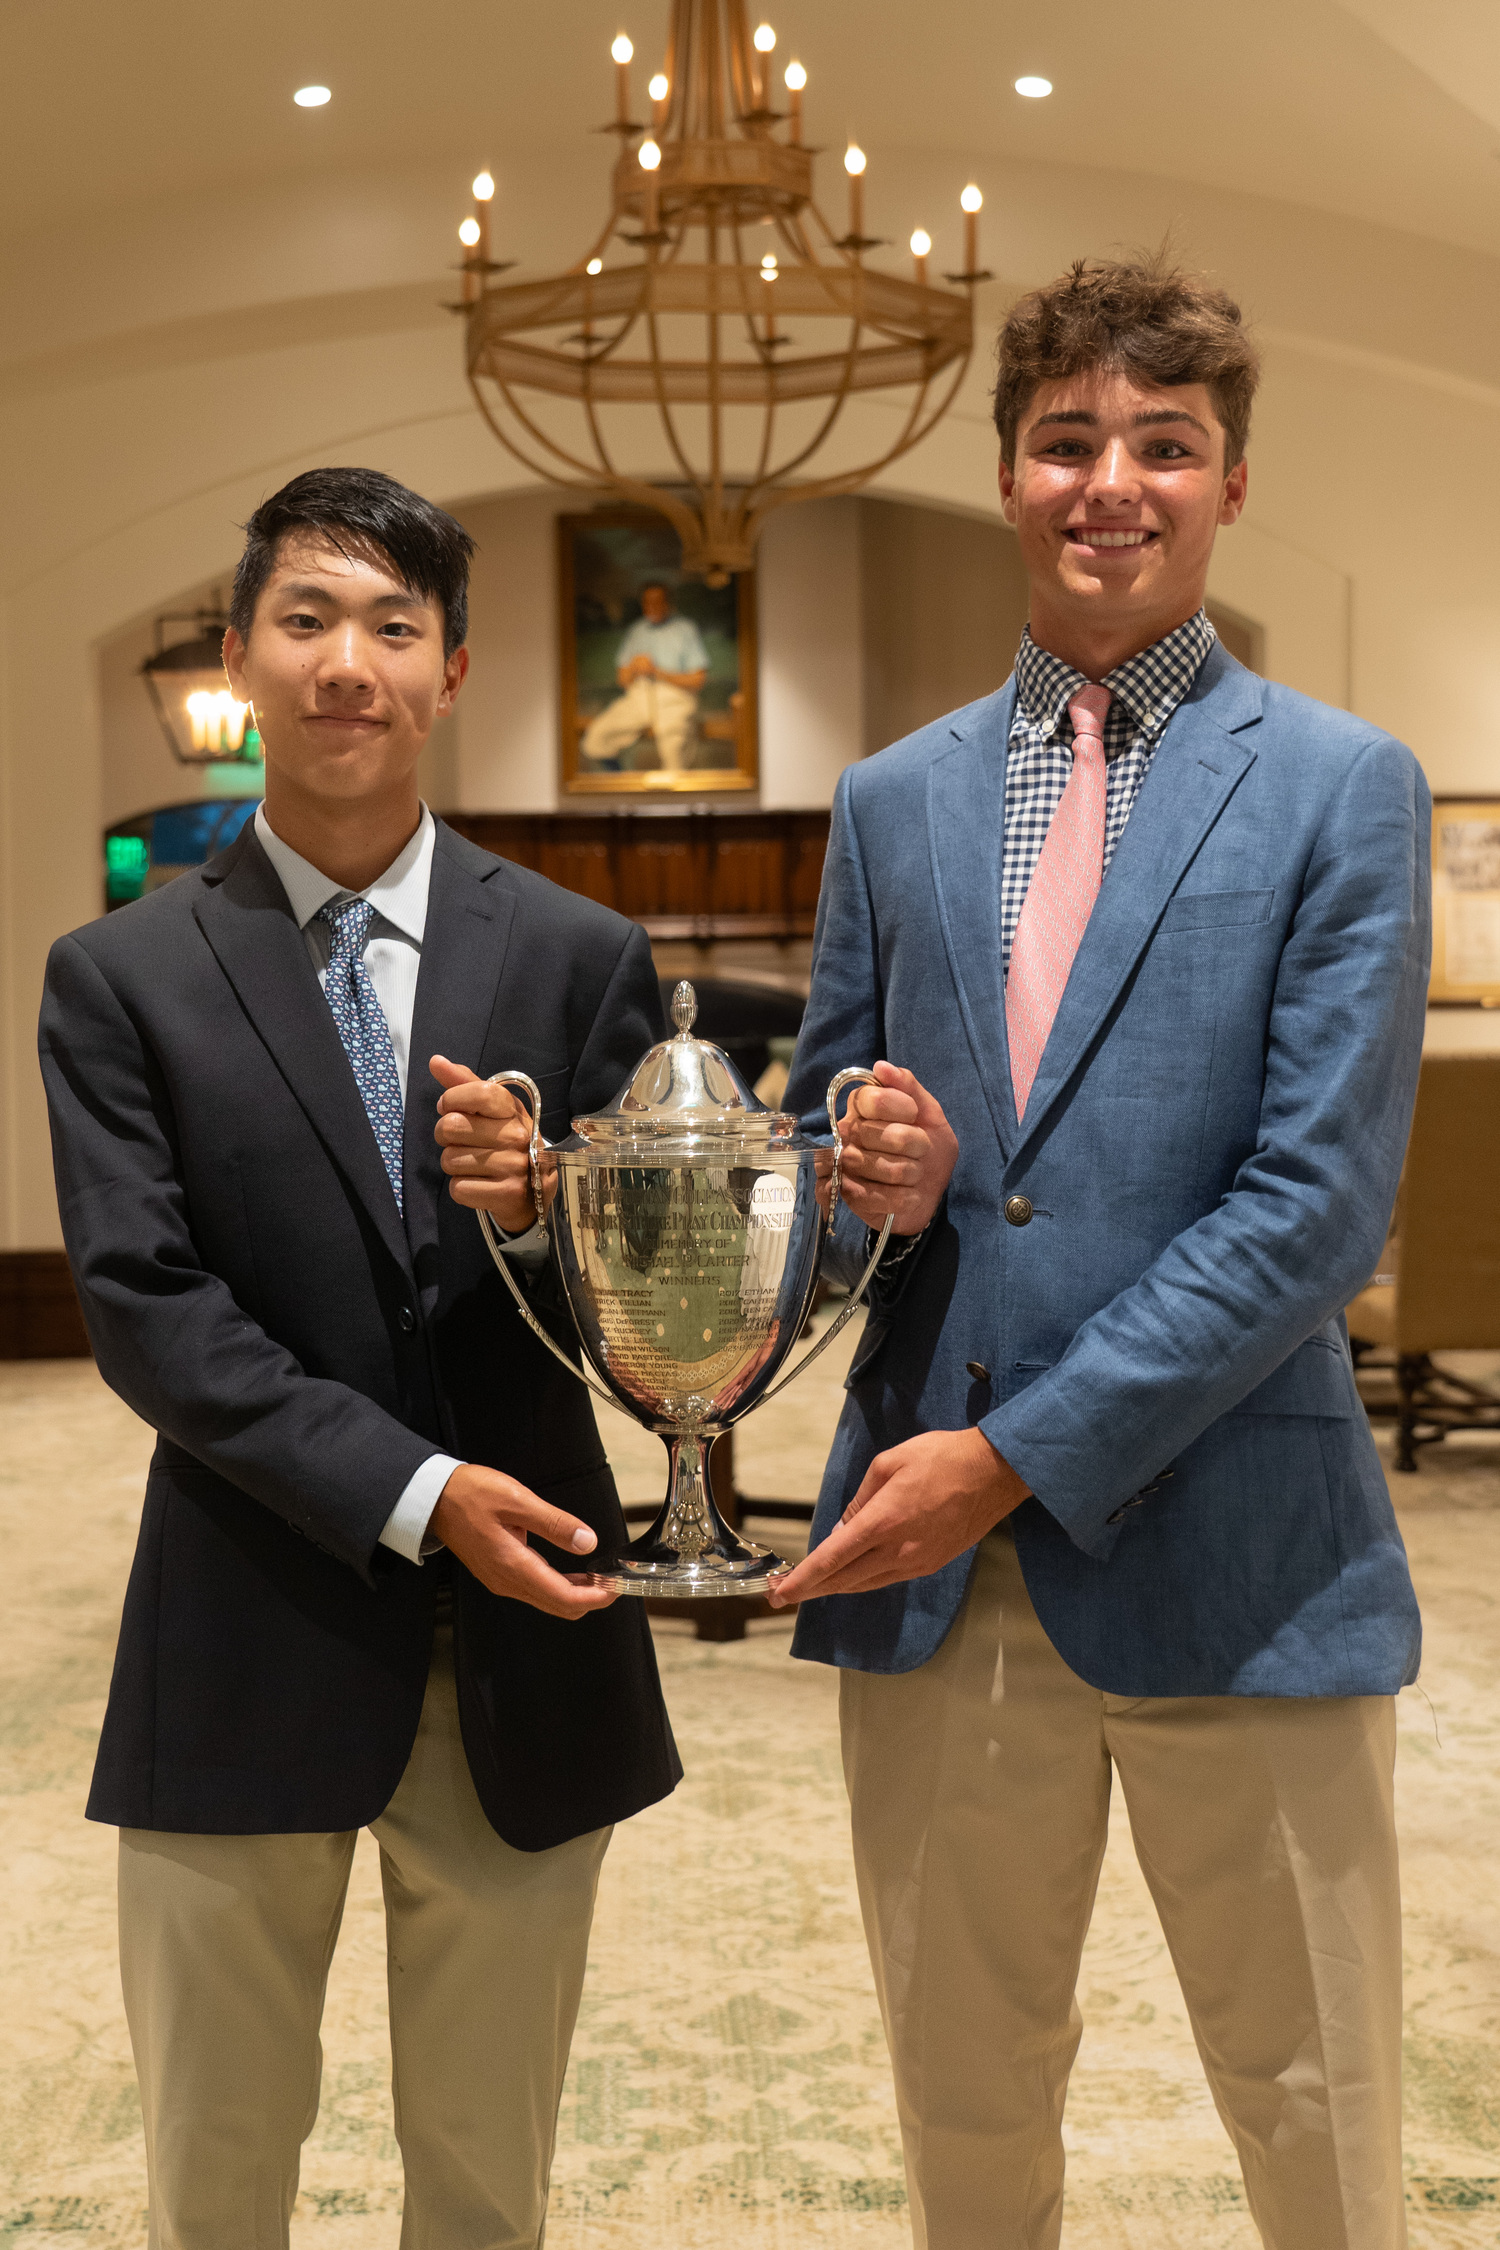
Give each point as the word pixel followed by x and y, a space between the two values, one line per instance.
pixel 811 662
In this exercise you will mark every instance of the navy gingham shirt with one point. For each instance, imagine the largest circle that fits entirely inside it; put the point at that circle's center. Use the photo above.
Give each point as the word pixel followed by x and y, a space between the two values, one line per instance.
pixel 1146 689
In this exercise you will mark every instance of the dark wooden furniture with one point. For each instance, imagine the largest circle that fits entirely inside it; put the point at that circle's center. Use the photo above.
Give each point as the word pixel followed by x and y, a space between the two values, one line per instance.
pixel 1439 1289
pixel 701 875
pixel 39 1315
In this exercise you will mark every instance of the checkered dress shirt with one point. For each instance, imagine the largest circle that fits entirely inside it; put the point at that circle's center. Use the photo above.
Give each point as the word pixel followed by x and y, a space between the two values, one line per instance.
pixel 1147 690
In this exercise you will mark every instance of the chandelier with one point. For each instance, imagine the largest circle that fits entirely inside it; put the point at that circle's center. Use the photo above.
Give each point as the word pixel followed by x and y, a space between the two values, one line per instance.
pixel 733 313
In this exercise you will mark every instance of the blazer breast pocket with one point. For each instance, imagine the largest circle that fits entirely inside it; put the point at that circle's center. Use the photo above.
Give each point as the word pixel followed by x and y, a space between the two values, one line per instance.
pixel 1215 910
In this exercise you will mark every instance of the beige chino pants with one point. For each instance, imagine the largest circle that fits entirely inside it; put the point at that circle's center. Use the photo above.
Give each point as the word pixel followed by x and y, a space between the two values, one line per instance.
pixel 979 1786
pixel 225 1944
pixel 668 711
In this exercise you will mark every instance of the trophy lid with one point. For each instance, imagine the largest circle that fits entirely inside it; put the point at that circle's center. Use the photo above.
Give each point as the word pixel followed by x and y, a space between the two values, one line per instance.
pixel 687 1087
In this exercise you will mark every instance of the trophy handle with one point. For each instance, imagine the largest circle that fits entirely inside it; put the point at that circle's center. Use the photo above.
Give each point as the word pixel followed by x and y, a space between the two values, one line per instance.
pixel 844 1078
pixel 528 1086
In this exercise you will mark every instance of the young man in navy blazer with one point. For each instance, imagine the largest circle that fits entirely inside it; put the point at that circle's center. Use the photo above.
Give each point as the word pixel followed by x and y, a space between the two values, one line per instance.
pixel 1150 936
pixel 349 1604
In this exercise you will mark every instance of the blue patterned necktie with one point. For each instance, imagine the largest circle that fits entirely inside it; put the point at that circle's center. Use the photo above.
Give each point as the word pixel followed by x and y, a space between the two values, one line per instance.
pixel 364 1030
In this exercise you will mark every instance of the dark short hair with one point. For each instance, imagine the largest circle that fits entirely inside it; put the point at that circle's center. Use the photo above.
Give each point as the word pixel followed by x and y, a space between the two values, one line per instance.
pixel 660 584
pixel 364 512
pixel 1142 317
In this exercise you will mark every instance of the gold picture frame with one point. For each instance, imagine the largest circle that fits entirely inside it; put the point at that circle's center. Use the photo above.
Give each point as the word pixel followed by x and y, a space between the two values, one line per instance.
pixel 1465 902
pixel 605 560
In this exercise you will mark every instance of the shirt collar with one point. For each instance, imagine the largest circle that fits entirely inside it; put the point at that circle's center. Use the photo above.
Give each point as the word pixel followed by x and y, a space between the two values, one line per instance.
pixel 1150 684
pixel 399 895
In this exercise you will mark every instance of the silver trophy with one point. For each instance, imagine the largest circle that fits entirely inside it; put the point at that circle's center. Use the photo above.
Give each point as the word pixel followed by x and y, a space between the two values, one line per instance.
pixel 686 1235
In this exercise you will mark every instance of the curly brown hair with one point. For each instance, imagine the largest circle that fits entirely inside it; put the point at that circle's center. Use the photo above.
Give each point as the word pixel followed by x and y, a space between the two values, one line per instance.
pixel 1142 317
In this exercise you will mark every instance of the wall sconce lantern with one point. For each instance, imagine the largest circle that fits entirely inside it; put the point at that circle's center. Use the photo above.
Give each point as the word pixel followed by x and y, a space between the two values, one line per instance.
pixel 204 724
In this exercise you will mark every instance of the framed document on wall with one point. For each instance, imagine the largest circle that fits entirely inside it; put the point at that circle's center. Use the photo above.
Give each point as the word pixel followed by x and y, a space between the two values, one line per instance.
pixel 657 688
pixel 1465 901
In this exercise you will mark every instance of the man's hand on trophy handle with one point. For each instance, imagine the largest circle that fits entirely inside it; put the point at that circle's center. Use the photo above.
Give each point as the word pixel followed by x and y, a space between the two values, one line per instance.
pixel 485 1136
pixel 920 1505
pixel 484 1518
pixel 899 1152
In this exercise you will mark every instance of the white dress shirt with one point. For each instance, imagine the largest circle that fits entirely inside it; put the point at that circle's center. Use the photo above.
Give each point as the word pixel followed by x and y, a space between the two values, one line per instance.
pixel 393 956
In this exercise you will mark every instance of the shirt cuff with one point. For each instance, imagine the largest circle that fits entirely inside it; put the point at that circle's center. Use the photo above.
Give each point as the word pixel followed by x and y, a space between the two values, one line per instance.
pixel 529 1250
pixel 406 1530
pixel 897 1250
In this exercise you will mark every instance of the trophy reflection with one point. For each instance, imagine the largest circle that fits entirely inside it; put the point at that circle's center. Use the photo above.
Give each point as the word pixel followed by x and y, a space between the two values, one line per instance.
pixel 686 1235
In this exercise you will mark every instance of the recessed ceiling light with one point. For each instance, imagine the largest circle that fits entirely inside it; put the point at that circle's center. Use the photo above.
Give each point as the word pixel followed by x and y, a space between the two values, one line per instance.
pixel 312 97
pixel 1035 89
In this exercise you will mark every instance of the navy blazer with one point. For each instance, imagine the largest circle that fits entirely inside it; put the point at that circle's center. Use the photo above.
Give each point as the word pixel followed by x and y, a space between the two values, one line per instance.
pixel 252 1291
pixel 1211 1147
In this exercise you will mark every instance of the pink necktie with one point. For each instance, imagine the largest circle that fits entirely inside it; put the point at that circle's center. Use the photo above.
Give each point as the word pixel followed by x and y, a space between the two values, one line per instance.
pixel 1060 897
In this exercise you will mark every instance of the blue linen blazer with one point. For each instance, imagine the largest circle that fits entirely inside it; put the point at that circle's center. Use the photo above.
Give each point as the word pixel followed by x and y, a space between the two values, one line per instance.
pixel 1212 1148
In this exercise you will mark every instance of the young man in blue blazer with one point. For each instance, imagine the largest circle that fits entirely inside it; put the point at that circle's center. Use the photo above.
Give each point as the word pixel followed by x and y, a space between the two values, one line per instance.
pixel 1149 936
pixel 350 1604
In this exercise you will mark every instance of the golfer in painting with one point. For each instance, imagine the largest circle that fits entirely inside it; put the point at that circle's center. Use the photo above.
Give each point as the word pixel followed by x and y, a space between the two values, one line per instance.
pixel 661 668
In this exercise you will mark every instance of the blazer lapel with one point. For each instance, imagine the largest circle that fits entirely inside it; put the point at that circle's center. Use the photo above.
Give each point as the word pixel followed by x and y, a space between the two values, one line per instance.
pixel 1198 765
pixel 247 921
pixel 464 948
pixel 966 829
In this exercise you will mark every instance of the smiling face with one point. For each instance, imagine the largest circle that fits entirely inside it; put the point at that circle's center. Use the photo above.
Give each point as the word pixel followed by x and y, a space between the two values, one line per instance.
pixel 1116 496
pixel 345 668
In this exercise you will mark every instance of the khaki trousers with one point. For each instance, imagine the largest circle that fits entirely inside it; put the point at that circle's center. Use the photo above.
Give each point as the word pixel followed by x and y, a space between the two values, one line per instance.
pixel 979 1787
pixel 668 711
pixel 225 1943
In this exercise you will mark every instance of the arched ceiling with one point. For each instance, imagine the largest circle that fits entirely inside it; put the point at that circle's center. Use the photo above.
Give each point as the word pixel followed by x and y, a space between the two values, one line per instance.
pixel 1378 109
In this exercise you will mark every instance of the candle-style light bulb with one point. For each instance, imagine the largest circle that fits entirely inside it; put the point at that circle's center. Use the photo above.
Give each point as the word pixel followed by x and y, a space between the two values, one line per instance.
pixel 921 245
pixel 650 162
pixel 765 39
pixel 657 88
pixel 854 165
pixel 468 235
pixel 796 79
pixel 971 202
pixel 484 189
pixel 595 265
pixel 622 51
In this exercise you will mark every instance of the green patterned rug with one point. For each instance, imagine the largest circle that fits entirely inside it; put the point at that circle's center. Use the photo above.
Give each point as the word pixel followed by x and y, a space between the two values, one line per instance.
pixel 729 2083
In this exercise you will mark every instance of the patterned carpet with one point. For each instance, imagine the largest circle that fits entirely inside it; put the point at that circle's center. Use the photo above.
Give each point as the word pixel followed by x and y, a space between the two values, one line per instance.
pixel 729 2083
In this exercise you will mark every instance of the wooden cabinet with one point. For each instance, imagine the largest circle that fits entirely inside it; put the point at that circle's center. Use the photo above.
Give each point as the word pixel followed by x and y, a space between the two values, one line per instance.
pixel 682 874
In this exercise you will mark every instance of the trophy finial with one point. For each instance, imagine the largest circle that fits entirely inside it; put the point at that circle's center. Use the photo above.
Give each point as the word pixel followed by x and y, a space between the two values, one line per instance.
pixel 684 1008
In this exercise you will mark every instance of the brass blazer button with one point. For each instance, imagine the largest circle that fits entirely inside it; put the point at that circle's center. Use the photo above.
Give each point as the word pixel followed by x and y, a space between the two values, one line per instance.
pixel 1018 1210
pixel 977 1369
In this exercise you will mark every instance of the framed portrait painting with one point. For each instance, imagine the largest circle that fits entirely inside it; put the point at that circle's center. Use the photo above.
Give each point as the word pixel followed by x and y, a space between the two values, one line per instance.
pixel 1465 902
pixel 657 688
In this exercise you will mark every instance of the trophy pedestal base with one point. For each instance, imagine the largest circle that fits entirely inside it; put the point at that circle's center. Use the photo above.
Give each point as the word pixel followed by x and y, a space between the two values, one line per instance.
pixel 709 1579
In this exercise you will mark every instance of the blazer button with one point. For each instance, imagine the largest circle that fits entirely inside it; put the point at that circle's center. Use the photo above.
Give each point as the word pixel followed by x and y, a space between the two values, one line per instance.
pixel 407 1318
pixel 977 1369
pixel 1018 1209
